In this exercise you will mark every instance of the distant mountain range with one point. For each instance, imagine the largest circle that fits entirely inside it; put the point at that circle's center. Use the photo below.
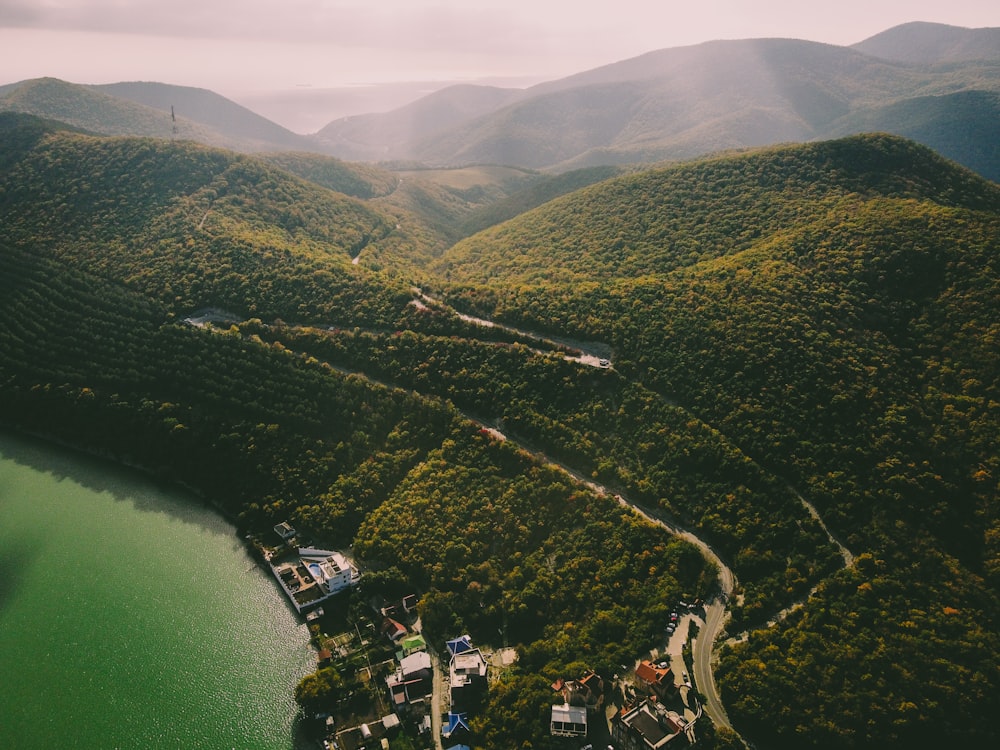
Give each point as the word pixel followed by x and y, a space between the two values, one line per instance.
pixel 682 102
pixel 937 84
pixel 152 109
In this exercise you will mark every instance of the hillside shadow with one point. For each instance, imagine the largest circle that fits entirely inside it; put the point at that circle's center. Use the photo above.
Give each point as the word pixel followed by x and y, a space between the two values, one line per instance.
pixel 123 483
pixel 13 562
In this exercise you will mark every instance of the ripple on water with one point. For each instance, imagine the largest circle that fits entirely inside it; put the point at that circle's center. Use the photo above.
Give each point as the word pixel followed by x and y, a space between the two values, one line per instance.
pixel 131 615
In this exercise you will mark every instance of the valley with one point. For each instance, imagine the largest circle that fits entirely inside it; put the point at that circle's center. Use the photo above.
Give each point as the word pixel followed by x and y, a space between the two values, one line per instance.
pixel 551 403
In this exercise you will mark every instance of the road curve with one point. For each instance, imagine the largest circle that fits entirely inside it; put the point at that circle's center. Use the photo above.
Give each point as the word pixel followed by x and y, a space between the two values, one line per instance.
pixel 715 616
pixel 715 610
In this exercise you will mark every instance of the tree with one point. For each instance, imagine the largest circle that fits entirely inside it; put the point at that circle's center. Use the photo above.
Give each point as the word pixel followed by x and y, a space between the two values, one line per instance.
pixel 317 692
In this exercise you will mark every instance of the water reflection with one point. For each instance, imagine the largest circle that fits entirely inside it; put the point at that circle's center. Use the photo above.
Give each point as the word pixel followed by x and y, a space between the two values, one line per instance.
pixel 124 483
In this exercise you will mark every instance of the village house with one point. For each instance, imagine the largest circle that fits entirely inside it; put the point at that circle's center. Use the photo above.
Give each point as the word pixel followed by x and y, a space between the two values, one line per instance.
pixel 467 679
pixel 393 630
pixel 649 726
pixel 456 727
pixel 568 721
pixel 587 692
pixel 460 644
pixel 413 679
pixel 655 678
pixel 408 696
pixel 311 575
pixel 411 644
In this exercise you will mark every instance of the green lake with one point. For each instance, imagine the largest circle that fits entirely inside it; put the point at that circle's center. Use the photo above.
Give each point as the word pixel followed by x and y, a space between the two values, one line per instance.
pixel 131 615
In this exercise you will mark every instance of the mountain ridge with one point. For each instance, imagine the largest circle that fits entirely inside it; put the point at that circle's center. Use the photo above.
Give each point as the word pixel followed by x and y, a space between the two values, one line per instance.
pixel 550 245
pixel 678 103
pixel 812 321
pixel 145 111
pixel 664 105
pixel 933 43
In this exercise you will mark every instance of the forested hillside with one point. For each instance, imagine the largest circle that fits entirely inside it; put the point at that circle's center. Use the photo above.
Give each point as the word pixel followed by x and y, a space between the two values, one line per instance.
pixel 110 242
pixel 811 325
pixel 830 309
pixel 193 226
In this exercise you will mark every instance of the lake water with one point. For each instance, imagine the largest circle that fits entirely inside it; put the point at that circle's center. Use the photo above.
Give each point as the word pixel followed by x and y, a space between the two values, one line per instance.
pixel 131 615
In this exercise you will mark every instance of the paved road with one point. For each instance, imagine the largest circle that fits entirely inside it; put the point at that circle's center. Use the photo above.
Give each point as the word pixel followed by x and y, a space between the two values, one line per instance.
pixel 594 354
pixel 438 688
pixel 701 653
pixel 702 648
pixel 715 615
pixel 715 610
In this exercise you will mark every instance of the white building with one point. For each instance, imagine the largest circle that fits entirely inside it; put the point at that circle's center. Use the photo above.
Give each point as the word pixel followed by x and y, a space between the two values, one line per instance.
pixel 329 569
pixel 313 575
pixel 568 721
pixel 466 668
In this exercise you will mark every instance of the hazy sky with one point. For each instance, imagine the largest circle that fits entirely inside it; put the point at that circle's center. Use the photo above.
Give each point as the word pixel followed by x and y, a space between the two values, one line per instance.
pixel 235 46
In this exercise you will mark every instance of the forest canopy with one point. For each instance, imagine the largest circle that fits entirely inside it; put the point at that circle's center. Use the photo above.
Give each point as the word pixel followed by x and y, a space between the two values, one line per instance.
pixel 803 371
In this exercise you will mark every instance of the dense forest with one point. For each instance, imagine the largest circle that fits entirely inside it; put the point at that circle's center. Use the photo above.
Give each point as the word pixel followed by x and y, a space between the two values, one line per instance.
pixel 806 324
pixel 831 310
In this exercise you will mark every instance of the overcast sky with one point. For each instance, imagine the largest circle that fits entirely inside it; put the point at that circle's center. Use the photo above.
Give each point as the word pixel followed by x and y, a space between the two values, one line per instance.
pixel 234 46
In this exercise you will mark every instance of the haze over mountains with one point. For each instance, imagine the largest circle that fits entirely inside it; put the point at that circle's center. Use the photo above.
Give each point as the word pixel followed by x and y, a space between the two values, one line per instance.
pixel 937 84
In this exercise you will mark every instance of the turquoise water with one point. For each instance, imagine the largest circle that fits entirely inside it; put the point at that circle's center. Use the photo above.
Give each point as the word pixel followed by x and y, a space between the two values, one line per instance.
pixel 131 615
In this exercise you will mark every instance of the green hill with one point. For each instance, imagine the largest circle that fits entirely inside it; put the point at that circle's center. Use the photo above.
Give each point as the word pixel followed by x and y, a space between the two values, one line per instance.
pixel 657 221
pixel 109 242
pixel 958 126
pixel 357 180
pixel 829 309
pixel 195 226
pixel 206 108
pixel 805 324
pixel 144 109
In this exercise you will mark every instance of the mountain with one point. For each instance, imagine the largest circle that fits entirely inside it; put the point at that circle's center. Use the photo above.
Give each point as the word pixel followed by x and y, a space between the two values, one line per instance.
pixel 604 232
pixel 665 105
pixel 933 44
pixel 804 375
pixel 191 225
pixel 831 309
pixel 960 126
pixel 358 180
pixel 108 247
pixel 207 108
pixel 379 137
pixel 144 109
pixel 675 104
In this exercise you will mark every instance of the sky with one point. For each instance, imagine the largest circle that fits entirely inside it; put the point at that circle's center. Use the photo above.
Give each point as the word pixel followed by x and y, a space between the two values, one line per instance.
pixel 246 47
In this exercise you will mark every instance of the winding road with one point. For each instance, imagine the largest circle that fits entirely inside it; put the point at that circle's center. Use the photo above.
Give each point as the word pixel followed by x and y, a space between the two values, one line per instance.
pixel 715 610
pixel 703 645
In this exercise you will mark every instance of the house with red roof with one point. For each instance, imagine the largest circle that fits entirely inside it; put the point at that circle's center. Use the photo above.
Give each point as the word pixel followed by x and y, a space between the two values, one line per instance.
pixel 655 678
